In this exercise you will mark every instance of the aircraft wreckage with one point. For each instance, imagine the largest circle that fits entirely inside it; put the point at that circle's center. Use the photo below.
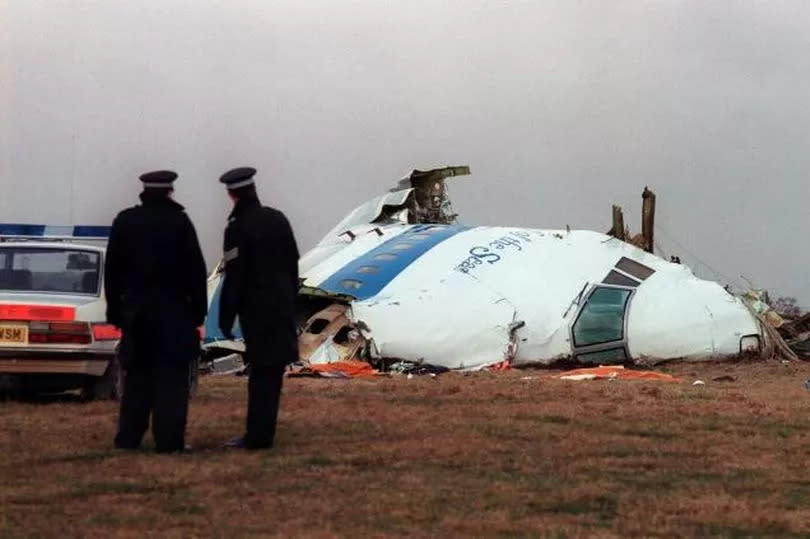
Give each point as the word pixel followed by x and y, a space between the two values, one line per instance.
pixel 400 278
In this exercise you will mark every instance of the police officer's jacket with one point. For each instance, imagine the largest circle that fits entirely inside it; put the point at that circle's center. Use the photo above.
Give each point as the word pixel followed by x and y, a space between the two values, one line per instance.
pixel 154 266
pixel 261 279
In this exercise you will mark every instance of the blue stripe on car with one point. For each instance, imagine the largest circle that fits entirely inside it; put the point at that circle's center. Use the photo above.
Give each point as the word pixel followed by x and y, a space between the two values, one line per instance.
pixel 77 231
pixel 12 229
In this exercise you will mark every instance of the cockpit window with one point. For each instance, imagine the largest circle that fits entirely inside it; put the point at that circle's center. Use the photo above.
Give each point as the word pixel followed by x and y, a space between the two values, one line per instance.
pixel 614 277
pixel 636 269
pixel 602 318
pixel 57 270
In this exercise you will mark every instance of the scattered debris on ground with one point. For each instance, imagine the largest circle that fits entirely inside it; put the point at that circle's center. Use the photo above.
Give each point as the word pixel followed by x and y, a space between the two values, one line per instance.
pixel 346 368
pixel 614 372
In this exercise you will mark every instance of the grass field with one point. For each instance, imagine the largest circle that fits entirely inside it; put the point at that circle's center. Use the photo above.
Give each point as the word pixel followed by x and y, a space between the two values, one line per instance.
pixel 484 454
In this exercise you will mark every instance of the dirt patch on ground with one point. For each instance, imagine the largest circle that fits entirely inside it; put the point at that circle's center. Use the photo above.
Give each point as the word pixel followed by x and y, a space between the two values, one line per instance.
pixel 477 454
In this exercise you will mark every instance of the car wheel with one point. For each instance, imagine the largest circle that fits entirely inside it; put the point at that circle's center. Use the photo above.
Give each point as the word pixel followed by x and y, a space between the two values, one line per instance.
pixel 109 386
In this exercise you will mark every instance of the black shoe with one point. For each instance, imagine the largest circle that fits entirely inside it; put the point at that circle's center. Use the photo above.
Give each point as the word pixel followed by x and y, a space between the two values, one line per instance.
pixel 127 446
pixel 241 442
pixel 184 451
pixel 235 443
pixel 122 447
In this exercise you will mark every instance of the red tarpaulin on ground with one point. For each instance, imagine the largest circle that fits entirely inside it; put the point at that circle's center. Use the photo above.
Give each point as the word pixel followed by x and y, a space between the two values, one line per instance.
pixel 338 369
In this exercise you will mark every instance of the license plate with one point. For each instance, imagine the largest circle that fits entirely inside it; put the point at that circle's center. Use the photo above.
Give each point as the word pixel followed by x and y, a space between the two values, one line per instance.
pixel 13 334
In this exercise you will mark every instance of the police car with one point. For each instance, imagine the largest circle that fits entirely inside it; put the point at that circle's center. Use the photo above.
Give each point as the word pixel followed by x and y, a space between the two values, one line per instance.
pixel 53 334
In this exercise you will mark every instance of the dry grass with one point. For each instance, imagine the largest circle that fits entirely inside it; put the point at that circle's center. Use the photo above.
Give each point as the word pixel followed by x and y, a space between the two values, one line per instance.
pixel 481 454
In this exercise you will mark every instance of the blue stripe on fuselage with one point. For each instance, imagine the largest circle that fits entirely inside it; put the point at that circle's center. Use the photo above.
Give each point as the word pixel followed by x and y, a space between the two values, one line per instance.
pixel 366 275
pixel 212 331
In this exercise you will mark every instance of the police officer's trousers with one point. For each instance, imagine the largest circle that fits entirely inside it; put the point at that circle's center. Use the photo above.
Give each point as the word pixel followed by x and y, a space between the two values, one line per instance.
pixel 264 394
pixel 157 385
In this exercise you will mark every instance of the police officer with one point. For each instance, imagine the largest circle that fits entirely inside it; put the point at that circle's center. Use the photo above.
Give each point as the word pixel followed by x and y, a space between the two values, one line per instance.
pixel 155 283
pixel 261 283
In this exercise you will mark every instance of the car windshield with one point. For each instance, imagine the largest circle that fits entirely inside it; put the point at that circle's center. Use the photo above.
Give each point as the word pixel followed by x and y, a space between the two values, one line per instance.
pixel 55 270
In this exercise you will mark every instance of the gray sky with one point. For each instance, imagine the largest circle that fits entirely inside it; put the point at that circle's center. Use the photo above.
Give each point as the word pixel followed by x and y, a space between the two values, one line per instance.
pixel 560 108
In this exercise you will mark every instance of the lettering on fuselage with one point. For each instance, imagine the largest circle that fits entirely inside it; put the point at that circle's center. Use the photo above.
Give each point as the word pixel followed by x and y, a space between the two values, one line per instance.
pixel 494 251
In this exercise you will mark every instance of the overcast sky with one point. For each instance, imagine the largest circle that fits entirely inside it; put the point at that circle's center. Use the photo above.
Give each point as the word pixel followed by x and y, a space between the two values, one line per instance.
pixel 560 108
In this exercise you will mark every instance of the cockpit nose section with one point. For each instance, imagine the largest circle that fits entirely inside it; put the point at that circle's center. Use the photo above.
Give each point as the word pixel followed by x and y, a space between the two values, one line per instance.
pixel 690 318
pixel 640 313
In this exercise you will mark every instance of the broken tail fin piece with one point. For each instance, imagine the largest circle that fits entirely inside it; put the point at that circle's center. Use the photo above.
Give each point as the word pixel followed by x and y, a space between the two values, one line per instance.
pixel 418 177
pixel 430 202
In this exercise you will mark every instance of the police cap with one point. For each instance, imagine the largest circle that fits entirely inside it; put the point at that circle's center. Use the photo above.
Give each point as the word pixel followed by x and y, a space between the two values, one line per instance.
pixel 161 179
pixel 238 177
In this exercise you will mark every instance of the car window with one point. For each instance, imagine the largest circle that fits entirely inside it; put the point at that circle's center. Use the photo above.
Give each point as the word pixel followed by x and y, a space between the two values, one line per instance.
pixel 57 270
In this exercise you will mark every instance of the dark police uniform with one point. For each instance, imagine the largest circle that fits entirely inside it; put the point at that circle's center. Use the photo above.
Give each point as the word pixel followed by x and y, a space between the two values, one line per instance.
pixel 261 283
pixel 155 283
